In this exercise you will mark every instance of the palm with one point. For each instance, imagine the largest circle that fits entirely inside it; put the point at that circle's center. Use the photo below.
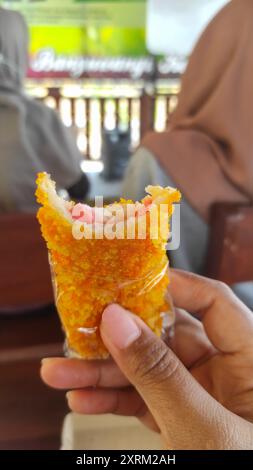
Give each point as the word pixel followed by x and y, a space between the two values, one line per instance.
pixel 228 379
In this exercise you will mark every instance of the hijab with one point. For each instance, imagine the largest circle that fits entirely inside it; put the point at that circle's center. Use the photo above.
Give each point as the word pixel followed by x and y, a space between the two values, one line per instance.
pixel 208 150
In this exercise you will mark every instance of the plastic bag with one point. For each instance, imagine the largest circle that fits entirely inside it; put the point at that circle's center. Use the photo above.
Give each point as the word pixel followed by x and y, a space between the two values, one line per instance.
pixel 84 341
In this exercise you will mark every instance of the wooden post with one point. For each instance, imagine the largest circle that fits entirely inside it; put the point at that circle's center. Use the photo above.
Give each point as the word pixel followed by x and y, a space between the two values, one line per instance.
pixel 55 93
pixel 147 111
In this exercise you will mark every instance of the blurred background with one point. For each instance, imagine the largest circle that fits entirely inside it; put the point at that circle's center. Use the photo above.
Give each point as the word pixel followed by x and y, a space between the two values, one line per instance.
pixel 99 77
pixel 103 66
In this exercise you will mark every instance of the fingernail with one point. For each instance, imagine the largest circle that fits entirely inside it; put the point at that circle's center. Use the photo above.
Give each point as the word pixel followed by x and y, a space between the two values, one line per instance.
pixel 45 360
pixel 119 327
pixel 69 397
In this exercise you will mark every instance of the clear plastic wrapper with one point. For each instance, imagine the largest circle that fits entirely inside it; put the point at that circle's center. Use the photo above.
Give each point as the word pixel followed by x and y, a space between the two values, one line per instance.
pixel 88 336
pixel 90 274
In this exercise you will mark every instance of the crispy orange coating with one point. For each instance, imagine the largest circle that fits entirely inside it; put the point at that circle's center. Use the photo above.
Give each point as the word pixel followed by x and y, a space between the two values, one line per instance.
pixel 90 274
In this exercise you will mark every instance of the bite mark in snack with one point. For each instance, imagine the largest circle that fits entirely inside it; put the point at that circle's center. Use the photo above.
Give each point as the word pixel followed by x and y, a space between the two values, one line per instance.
pixel 90 274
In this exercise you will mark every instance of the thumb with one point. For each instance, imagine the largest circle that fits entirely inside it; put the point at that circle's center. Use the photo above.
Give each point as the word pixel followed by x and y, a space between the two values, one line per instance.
pixel 183 410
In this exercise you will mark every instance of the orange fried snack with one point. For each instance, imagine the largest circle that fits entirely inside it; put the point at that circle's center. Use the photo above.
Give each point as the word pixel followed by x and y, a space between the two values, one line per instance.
pixel 91 272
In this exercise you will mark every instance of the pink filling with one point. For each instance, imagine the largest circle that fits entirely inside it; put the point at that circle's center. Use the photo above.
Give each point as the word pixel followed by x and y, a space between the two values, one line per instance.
pixel 83 213
pixel 90 215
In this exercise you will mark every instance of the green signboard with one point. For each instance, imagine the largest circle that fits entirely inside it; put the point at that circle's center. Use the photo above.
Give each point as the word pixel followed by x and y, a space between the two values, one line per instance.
pixel 86 27
pixel 89 38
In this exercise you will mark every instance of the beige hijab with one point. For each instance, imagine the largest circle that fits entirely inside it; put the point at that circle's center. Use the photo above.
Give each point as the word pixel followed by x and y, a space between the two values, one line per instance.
pixel 209 148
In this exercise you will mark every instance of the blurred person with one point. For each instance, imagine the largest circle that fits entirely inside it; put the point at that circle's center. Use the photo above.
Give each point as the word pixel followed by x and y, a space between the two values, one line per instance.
pixel 207 152
pixel 32 136
pixel 196 390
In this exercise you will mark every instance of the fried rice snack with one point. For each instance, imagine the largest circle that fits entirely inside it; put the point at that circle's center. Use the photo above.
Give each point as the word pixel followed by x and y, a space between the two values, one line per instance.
pixel 102 256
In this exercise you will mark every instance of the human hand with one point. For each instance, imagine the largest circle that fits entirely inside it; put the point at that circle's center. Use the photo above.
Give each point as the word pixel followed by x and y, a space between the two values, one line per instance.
pixel 197 390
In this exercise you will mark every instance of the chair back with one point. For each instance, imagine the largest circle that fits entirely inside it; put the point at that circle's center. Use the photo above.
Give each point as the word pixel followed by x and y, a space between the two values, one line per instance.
pixel 25 283
pixel 230 254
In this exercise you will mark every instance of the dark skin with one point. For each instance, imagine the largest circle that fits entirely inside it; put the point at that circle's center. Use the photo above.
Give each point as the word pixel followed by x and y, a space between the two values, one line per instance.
pixel 196 390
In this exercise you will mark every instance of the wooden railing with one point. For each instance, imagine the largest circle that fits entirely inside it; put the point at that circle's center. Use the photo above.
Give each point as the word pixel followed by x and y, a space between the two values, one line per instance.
pixel 89 116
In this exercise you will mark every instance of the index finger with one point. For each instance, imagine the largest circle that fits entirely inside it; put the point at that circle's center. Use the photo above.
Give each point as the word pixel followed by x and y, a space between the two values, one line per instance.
pixel 227 321
pixel 64 373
